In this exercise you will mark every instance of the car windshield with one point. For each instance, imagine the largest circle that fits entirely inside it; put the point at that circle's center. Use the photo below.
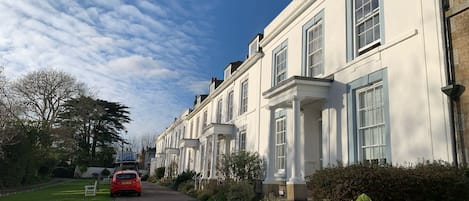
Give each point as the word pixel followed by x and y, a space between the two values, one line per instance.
pixel 126 176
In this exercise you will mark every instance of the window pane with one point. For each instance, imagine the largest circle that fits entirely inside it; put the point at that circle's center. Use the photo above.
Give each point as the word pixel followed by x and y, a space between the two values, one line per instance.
pixel 358 3
pixel 371 125
pixel 366 23
pixel 369 37
pixel 366 8
pixel 374 4
pixel 314 57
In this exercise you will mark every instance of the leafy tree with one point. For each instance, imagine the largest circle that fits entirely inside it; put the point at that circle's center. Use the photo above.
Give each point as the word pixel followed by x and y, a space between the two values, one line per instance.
pixel 95 125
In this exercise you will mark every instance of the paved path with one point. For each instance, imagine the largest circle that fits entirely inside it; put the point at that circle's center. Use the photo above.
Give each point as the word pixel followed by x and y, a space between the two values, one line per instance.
pixel 153 192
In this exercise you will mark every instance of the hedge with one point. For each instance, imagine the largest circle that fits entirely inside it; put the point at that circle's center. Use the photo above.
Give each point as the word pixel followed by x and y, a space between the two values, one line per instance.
pixel 424 182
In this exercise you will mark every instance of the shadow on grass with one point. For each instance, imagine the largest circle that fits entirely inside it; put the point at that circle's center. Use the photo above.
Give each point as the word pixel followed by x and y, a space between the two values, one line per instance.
pixel 69 191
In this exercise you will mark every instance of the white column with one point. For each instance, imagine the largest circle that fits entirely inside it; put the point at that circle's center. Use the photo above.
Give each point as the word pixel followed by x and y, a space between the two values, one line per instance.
pixel 166 165
pixel 205 161
pixel 269 179
pixel 194 159
pixel 183 159
pixel 214 157
pixel 296 177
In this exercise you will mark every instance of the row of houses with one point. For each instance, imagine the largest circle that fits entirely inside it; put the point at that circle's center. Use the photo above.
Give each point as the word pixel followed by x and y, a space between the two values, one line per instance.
pixel 333 82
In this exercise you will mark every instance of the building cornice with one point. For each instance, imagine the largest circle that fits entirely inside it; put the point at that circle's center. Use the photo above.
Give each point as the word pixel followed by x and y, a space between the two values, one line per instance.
pixel 238 73
pixel 286 22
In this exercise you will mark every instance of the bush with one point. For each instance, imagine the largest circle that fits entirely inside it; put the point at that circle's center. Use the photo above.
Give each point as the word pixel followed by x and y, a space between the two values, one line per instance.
pixel 105 172
pixel 234 191
pixel 152 179
pixel 241 166
pixel 183 177
pixel 145 177
pixel 186 187
pixel 159 172
pixel 165 182
pixel 62 172
pixel 204 195
pixel 424 182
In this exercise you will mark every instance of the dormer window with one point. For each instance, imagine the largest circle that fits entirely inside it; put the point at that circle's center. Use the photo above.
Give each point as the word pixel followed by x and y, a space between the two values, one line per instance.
pixel 227 72
pixel 254 45
pixel 253 48
pixel 230 68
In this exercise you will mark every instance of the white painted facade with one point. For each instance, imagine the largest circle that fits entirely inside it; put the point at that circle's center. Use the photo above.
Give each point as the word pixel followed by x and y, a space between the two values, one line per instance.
pixel 388 92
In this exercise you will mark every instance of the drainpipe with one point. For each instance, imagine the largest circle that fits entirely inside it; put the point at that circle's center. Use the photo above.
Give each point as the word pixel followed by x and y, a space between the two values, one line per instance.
pixel 452 90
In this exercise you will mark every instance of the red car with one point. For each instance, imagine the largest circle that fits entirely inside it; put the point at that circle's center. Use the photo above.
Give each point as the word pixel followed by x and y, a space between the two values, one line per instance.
pixel 126 181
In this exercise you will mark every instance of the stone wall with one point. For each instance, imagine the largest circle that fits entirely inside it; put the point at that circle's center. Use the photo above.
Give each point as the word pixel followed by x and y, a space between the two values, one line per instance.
pixel 460 43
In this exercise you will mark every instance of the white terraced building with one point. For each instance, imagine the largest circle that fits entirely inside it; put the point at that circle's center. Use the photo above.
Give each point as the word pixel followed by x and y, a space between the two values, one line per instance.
pixel 328 82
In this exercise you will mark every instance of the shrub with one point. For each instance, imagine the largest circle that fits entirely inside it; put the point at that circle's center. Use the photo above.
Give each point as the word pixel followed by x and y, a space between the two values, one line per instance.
pixel 105 172
pixel 152 179
pixel 95 175
pixel 204 195
pixel 145 177
pixel 183 177
pixel 186 187
pixel 62 172
pixel 234 191
pixel 165 182
pixel 423 182
pixel 159 172
pixel 241 166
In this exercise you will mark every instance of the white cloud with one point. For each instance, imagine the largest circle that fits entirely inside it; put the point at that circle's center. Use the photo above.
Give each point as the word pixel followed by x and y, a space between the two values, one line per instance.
pixel 142 55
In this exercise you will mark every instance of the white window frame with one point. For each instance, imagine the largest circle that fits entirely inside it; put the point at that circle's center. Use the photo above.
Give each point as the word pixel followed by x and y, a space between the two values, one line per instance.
pixel 204 119
pixel 244 97
pixel 253 47
pixel 312 63
pixel 197 122
pixel 191 129
pixel 374 15
pixel 280 65
pixel 242 140
pixel 280 143
pixel 219 110
pixel 229 106
pixel 370 119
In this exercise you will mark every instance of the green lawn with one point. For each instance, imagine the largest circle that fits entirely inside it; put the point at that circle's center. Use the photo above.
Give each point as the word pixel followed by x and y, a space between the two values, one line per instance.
pixel 69 191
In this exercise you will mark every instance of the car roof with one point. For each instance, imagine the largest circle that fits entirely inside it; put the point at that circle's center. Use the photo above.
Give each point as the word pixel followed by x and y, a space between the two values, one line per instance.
pixel 126 172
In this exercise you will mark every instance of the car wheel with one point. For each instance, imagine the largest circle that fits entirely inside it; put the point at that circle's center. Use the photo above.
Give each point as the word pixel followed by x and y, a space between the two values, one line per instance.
pixel 139 194
pixel 112 194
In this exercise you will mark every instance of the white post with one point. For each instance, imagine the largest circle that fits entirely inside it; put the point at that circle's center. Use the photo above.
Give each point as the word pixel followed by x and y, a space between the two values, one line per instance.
pixel 166 165
pixel 214 157
pixel 205 161
pixel 295 177
pixel 269 179
pixel 183 159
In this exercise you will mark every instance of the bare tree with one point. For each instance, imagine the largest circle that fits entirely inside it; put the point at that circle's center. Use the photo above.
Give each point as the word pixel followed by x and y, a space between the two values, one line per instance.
pixel 8 115
pixel 43 94
pixel 147 140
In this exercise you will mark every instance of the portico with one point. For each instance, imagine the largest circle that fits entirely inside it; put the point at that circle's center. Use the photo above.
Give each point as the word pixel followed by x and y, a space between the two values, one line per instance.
pixel 171 160
pixel 185 160
pixel 214 133
pixel 292 95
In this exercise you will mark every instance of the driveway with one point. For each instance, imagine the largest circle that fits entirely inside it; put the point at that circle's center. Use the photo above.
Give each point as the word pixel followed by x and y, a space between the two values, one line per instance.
pixel 153 192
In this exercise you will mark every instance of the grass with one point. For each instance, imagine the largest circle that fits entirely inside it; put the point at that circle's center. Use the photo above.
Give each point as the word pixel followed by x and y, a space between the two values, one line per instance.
pixel 68 191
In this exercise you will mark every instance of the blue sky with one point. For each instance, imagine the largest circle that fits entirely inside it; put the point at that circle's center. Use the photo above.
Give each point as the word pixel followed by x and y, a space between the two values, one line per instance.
pixel 152 56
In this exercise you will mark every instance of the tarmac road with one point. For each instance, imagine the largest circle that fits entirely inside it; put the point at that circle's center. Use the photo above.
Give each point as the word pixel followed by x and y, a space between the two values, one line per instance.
pixel 153 192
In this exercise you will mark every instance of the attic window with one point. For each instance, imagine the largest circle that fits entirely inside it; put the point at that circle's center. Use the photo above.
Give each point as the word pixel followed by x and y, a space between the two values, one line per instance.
pixel 253 48
pixel 227 72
